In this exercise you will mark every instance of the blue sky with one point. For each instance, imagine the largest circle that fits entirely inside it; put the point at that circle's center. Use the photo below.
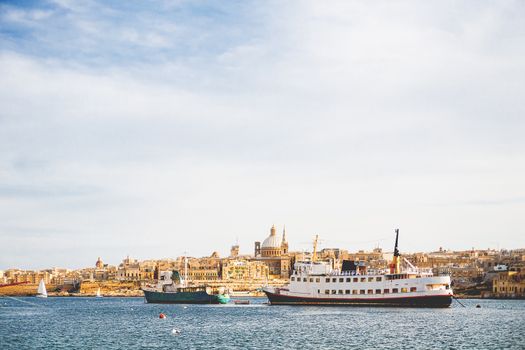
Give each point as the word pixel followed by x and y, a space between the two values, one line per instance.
pixel 155 128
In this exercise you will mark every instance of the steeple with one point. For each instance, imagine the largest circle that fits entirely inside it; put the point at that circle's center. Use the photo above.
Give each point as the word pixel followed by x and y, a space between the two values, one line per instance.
pixel 272 231
pixel 284 243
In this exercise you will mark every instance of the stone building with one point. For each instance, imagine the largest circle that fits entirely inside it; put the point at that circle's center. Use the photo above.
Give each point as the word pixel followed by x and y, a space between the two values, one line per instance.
pixel 133 270
pixel 509 284
pixel 244 270
pixel 199 269
pixel 274 253
pixel 234 251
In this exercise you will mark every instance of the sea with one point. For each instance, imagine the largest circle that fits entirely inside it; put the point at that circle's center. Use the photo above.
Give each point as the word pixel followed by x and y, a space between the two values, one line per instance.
pixel 129 323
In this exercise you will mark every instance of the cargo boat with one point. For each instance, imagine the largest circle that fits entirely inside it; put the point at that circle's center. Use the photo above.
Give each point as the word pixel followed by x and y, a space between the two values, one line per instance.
pixel 173 289
pixel 317 283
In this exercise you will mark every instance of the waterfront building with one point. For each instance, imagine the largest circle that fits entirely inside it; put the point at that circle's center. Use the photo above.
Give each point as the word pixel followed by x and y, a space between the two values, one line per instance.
pixel 198 269
pixel 244 270
pixel 205 269
pixel 133 270
pixel 509 284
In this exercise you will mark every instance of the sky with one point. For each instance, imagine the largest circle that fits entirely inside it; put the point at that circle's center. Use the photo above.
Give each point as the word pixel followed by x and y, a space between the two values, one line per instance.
pixel 160 128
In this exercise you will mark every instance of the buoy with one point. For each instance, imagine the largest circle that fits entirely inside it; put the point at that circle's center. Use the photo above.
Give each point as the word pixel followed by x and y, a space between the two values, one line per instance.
pixel 175 331
pixel 162 315
pixel 478 306
pixel 185 307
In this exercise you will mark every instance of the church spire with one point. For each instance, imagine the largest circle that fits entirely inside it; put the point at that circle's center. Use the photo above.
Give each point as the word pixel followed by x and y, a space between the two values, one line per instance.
pixel 284 234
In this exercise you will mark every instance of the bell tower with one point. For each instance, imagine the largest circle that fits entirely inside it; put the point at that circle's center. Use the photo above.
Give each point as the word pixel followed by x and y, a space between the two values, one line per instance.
pixel 284 243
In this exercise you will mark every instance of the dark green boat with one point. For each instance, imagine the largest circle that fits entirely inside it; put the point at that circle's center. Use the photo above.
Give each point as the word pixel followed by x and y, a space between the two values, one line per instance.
pixel 187 295
pixel 172 290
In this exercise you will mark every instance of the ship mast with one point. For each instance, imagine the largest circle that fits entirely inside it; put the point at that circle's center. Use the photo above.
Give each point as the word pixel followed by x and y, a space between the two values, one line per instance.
pixel 185 271
pixel 314 254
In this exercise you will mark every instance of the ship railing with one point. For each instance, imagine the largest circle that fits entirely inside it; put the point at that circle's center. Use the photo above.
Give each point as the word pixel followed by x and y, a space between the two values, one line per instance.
pixel 418 271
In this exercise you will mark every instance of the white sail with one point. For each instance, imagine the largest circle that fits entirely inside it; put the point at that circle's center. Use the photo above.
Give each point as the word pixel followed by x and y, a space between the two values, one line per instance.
pixel 98 293
pixel 42 292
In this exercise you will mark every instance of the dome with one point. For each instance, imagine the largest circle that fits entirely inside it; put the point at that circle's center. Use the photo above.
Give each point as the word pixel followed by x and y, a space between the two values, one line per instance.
pixel 271 242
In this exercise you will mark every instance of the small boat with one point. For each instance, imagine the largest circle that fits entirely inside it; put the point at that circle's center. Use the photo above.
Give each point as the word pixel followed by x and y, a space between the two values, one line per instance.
pixel 241 302
pixel 98 293
pixel 41 292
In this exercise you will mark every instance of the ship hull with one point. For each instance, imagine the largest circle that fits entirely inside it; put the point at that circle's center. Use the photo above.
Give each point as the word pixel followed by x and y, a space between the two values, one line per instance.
pixel 433 301
pixel 199 297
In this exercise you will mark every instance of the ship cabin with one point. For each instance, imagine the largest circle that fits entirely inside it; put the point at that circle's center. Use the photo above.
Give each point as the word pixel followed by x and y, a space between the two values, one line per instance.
pixel 318 278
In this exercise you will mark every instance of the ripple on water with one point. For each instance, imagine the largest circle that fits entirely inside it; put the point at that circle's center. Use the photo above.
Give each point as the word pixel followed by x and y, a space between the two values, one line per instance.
pixel 128 323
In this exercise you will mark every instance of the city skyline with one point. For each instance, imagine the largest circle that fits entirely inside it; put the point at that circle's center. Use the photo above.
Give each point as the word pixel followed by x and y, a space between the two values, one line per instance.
pixel 153 129
pixel 249 251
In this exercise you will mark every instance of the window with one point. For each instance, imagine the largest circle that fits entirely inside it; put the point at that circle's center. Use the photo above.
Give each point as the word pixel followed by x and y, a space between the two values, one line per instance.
pixel 334 292
pixel 347 291
pixel 354 291
pixel 327 280
pixel 348 280
pixel 311 279
pixel 386 291
pixel 334 280
pixel 395 290
pixel 293 278
pixel 317 280
pixel 340 292
pixel 404 290
pixel 341 280
pixel 378 291
pixel 362 291
pixel 318 291
pixel 326 291
pixel 370 279
pixel 370 291
pixel 304 279
pixel 363 279
pixel 378 279
pixel 413 289
pixel 355 279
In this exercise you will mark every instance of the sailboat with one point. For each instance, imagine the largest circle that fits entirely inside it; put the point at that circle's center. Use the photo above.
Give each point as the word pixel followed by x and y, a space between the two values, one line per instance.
pixel 98 293
pixel 42 292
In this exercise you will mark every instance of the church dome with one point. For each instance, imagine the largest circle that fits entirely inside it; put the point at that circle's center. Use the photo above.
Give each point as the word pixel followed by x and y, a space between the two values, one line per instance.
pixel 271 242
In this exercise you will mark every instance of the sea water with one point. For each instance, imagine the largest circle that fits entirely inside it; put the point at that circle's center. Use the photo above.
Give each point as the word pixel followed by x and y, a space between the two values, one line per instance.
pixel 129 323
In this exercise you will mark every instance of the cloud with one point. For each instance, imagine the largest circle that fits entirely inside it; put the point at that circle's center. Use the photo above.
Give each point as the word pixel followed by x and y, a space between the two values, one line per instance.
pixel 186 122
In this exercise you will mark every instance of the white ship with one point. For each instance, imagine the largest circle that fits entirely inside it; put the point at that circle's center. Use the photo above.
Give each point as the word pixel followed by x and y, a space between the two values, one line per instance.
pixel 317 283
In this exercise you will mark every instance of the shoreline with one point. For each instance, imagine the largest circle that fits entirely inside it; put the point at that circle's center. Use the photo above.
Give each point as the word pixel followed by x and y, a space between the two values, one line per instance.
pixel 233 297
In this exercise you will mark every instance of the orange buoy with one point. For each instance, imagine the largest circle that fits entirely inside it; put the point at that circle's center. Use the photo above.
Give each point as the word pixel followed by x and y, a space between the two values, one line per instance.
pixel 162 315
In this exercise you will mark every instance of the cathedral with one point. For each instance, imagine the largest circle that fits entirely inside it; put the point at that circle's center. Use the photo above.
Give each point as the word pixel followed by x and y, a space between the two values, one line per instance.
pixel 274 252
